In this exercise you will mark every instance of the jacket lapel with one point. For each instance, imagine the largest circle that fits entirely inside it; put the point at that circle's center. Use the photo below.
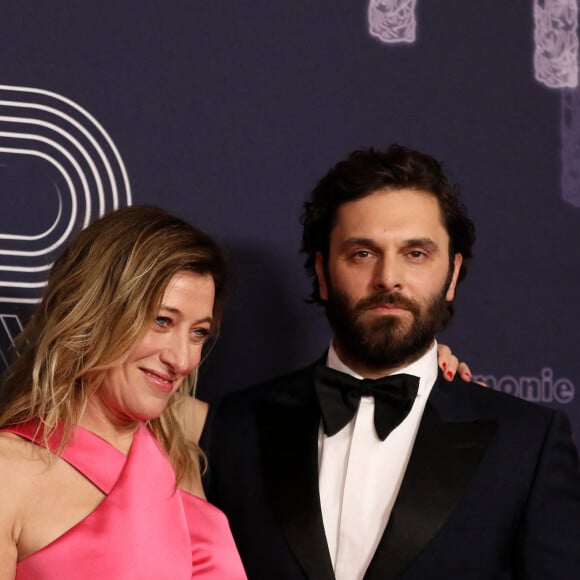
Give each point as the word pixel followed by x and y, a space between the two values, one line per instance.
pixel 289 444
pixel 444 459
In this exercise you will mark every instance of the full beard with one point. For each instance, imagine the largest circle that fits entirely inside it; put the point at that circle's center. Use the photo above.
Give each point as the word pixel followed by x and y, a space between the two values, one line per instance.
pixel 381 342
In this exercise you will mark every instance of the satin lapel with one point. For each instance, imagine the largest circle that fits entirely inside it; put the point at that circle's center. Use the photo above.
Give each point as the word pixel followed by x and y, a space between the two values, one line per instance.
pixel 289 443
pixel 444 459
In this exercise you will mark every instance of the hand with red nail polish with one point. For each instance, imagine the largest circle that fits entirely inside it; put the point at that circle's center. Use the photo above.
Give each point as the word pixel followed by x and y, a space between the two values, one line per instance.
pixel 451 366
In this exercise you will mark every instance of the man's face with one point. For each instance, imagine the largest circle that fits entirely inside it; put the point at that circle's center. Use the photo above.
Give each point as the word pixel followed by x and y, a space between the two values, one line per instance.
pixel 388 279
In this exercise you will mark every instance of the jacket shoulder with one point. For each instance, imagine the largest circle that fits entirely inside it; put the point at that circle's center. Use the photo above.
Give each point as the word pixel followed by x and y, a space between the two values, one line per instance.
pixel 286 386
pixel 457 398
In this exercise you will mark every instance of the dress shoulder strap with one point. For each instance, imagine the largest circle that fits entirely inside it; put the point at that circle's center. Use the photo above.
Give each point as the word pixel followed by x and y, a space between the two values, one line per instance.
pixel 95 458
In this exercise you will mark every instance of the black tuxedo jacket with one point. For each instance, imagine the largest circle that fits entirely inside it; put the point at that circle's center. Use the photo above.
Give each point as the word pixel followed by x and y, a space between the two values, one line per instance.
pixel 492 489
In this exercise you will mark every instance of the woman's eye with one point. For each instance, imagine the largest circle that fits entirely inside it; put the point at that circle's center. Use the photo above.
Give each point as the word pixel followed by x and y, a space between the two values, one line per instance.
pixel 163 321
pixel 200 334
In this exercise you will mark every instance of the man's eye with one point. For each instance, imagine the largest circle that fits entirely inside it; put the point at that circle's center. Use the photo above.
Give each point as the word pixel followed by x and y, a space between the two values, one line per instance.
pixel 362 254
pixel 416 254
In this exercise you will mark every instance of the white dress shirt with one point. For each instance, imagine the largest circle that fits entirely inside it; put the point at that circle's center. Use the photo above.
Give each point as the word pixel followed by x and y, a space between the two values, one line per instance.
pixel 360 475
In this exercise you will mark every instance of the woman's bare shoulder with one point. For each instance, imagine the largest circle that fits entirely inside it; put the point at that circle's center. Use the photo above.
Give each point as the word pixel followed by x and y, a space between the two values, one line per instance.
pixel 21 462
pixel 14 448
pixel 16 456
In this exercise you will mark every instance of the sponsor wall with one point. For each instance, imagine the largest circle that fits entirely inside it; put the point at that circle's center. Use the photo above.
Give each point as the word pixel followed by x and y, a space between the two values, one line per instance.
pixel 228 113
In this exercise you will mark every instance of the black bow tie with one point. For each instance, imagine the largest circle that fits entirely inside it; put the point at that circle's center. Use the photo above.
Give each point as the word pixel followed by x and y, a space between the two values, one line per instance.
pixel 339 396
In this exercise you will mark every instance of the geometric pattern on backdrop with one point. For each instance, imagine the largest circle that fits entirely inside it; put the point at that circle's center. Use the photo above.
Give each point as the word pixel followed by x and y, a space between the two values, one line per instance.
pixel 556 43
pixel 555 66
pixel 392 21
pixel 555 35
pixel 59 169
pixel 56 156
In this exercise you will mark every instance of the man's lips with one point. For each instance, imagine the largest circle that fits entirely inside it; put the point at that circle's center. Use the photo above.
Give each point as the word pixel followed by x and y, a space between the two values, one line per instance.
pixel 388 308
pixel 162 381
pixel 385 304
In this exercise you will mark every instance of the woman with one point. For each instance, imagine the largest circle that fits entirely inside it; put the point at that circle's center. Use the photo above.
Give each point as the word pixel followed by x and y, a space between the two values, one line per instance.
pixel 100 469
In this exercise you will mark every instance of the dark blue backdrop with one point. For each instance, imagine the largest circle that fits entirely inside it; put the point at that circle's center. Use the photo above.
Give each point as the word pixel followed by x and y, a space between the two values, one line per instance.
pixel 227 114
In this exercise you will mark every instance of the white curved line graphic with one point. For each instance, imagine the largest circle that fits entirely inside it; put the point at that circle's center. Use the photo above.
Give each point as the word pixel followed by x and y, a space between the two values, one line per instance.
pixel 12 300
pixel 71 139
pixel 73 162
pixel 72 190
pixel 83 131
pixel 25 268
pixel 23 284
pixel 97 147
pixel 44 234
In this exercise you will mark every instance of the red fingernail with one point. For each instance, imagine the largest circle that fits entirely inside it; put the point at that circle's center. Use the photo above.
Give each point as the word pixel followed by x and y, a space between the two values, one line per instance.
pixel 450 374
pixel 444 365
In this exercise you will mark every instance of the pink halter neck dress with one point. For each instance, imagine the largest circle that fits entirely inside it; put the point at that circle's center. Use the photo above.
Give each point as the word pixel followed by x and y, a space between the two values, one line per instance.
pixel 143 529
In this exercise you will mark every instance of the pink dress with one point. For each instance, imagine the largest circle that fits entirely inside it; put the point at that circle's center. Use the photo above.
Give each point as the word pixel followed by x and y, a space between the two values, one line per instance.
pixel 142 529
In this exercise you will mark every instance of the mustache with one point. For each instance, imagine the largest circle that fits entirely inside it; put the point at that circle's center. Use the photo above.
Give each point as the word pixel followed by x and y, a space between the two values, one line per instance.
pixel 387 299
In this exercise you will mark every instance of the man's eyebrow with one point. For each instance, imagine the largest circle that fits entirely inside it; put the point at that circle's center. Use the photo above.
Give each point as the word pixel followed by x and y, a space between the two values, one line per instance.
pixel 358 242
pixel 427 243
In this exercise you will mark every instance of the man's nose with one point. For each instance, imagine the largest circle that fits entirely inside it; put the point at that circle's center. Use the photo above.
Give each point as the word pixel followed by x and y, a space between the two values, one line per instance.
pixel 388 274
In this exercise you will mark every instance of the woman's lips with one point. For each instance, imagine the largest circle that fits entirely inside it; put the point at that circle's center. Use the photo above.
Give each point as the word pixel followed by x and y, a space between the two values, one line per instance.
pixel 161 381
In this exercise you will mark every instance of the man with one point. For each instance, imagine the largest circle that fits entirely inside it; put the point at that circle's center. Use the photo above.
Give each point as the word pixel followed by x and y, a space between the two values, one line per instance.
pixel 326 474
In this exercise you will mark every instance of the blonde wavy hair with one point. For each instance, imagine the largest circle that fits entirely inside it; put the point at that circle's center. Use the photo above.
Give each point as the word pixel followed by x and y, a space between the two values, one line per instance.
pixel 103 293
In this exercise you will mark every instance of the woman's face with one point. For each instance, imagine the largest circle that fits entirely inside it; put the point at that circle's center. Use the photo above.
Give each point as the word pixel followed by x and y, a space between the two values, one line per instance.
pixel 140 387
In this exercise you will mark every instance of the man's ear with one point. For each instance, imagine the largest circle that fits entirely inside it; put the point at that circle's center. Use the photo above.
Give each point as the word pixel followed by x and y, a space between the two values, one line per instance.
pixel 319 268
pixel 457 261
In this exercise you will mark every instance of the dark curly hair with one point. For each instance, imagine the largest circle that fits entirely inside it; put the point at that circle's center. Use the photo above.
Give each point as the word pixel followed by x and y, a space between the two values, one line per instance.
pixel 366 171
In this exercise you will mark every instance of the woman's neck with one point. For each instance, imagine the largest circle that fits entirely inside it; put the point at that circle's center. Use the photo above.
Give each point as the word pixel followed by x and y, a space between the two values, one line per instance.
pixel 118 431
